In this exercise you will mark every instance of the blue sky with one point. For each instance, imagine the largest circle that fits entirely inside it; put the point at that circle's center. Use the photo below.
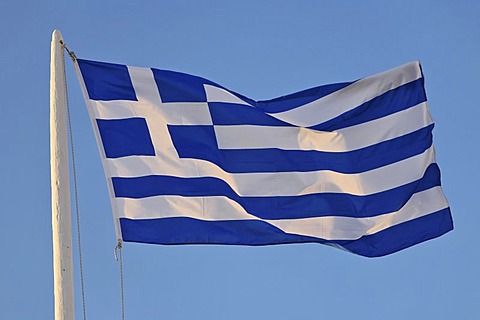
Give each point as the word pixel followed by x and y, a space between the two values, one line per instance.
pixel 261 49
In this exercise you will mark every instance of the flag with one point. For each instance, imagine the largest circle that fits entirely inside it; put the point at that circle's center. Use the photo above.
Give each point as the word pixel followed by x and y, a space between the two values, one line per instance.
pixel 187 161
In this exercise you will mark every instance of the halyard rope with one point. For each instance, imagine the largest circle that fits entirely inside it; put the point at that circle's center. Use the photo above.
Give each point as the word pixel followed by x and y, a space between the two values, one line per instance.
pixel 75 190
pixel 119 258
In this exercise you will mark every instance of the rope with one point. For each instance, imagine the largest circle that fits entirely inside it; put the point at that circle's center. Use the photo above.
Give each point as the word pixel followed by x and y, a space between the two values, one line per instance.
pixel 119 258
pixel 77 212
pixel 118 248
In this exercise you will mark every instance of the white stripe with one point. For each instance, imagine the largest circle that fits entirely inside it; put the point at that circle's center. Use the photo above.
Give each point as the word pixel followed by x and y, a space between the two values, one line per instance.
pixel 345 228
pixel 350 97
pixel 196 113
pixel 116 109
pixel 215 94
pixel 329 227
pixel 347 139
pixel 186 113
pixel 204 208
pixel 174 113
pixel 281 183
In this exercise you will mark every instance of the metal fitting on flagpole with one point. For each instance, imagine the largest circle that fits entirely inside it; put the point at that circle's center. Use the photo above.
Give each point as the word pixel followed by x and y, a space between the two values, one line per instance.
pixel 70 53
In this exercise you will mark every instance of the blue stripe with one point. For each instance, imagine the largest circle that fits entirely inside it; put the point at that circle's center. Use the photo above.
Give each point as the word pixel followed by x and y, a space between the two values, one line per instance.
pixel 199 142
pixel 238 114
pixel 297 99
pixel 392 101
pixel 401 236
pixel 183 230
pixel 279 207
pixel 180 87
pixel 107 81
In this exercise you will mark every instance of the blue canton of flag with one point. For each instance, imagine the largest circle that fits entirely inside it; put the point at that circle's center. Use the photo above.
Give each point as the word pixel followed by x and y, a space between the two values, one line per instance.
pixel 188 161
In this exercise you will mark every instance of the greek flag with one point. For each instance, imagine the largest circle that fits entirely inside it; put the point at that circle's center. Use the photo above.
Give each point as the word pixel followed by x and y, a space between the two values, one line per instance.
pixel 187 161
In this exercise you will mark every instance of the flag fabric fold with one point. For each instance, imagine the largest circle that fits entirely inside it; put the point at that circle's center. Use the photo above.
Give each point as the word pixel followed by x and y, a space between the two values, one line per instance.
pixel 187 161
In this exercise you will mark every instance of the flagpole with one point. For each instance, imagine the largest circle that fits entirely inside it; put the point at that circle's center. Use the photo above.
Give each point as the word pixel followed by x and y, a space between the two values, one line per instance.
pixel 61 214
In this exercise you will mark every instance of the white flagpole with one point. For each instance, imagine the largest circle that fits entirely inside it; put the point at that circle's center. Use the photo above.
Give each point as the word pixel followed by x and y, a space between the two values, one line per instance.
pixel 61 214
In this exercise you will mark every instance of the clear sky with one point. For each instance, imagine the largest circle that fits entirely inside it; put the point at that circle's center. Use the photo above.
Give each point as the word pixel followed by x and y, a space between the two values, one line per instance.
pixel 261 49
